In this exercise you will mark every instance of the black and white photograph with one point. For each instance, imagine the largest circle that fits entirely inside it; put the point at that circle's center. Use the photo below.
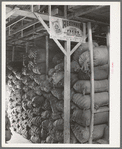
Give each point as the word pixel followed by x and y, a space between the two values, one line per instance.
pixel 60 74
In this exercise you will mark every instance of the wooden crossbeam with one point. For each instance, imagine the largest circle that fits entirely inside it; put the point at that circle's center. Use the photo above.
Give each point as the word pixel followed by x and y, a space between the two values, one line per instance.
pixel 77 45
pixel 42 22
pixel 20 41
pixel 81 12
pixel 27 34
pixel 59 45
pixel 11 13
pixel 89 20
pixel 31 15
pixel 14 21
pixel 19 29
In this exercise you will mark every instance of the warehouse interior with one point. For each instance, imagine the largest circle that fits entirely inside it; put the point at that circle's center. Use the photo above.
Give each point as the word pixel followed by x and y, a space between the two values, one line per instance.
pixel 54 95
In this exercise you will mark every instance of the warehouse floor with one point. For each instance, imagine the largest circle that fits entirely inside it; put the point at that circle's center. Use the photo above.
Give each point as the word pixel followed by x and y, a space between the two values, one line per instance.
pixel 17 138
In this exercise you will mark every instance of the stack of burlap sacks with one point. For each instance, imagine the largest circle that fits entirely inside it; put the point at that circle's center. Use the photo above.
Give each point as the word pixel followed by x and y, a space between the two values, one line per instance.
pixel 36 104
pixel 82 97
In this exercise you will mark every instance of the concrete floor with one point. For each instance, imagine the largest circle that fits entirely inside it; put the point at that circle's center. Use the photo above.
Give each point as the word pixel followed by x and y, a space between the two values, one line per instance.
pixel 17 138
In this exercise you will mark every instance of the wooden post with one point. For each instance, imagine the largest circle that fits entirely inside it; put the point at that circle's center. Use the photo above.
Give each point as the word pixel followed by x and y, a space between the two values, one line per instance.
pixel 26 49
pixel 47 55
pixel 67 94
pixel 13 50
pixel 108 38
pixel 32 8
pixel 66 88
pixel 22 30
pixel 9 31
pixel 108 45
pixel 92 83
pixel 38 8
pixel 49 10
pixel 84 29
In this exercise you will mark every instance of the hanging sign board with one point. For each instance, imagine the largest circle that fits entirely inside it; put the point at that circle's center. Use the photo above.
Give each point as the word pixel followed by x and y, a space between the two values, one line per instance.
pixel 64 29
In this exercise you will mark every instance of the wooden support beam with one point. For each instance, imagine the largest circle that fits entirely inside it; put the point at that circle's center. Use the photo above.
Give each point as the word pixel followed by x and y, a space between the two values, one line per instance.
pixel 67 46
pixel 22 30
pixel 40 28
pixel 14 21
pixel 20 41
pixel 42 22
pixel 11 13
pixel 81 12
pixel 65 11
pixel 108 37
pixel 84 39
pixel 27 45
pixel 108 45
pixel 9 31
pixel 49 10
pixel 67 94
pixel 38 8
pixel 59 45
pixel 47 55
pixel 77 45
pixel 92 82
pixel 84 29
pixel 13 50
pixel 32 8
pixel 31 15
pixel 24 27
pixel 89 20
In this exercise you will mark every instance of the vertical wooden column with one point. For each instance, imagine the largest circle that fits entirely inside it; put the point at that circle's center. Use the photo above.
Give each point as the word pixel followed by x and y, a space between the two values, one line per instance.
pixel 26 48
pixel 32 8
pixel 84 30
pixel 22 30
pixel 47 55
pixel 13 50
pixel 108 45
pixel 67 94
pixel 108 37
pixel 67 88
pixel 92 82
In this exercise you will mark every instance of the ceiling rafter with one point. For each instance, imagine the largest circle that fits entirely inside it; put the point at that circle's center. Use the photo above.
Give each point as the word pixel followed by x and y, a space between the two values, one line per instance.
pixel 24 27
pixel 40 28
pixel 11 12
pixel 89 20
pixel 81 12
pixel 24 13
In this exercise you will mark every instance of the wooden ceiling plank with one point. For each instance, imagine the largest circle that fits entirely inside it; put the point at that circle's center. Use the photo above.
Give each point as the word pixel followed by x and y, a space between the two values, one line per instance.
pixel 81 12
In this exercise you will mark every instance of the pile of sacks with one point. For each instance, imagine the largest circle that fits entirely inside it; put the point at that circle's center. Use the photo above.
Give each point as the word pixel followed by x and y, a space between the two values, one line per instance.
pixel 38 112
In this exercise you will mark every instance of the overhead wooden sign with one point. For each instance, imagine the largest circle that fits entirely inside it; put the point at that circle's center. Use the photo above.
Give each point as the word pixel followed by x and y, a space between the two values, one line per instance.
pixel 64 29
